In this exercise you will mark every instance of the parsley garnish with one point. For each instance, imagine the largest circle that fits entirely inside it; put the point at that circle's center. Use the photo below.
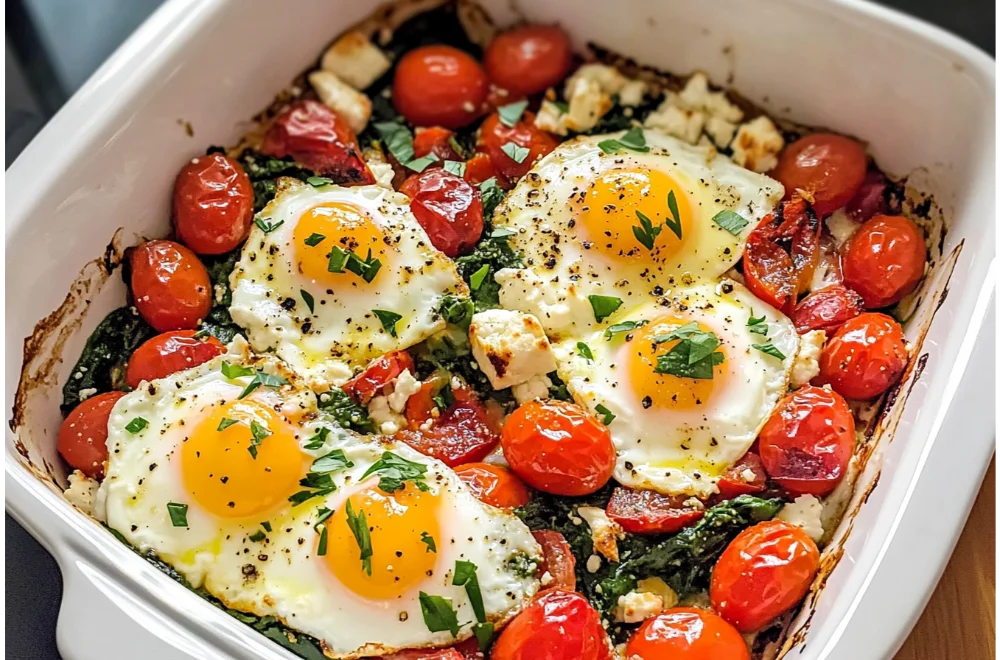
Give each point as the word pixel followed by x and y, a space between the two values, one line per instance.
pixel 511 114
pixel 341 259
pixel 359 527
pixel 455 167
pixel 429 540
pixel 606 415
pixel 266 226
pixel 319 439
pixel 492 194
pixel 465 575
pixel 308 299
pixel 731 221
pixel 502 232
pixel 232 371
pixel 388 320
pixel 584 351
pixel 318 181
pixel 694 355
pixel 257 536
pixel 261 378
pixel 769 349
pixel 477 278
pixel 516 152
pixel 438 614
pixel 321 530
pixel 136 425
pixel 258 433
pixel 757 325
pixel 673 224
pixel 335 460
pixel 314 239
pixel 225 423
pixel 624 326
pixel 394 470
pixel 633 140
pixel 445 398
pixel 397 139
pixel 484 634
pixel 604 306
pixel 266 525
pixel 646 233
pixel 178 514
pixel 457 310
pixel 421 164
pixel 318 482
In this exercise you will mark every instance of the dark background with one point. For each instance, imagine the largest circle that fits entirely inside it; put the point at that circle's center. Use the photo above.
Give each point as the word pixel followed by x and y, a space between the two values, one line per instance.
pixel 52 46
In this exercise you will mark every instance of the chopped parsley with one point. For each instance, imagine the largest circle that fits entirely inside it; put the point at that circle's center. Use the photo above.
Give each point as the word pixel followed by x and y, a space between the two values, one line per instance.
pixel 584 351
pixel 335 460
pixel 769 349
pixel 484 634
pixel 429 540
pixel 136 425
pixel 606 415
pixel 502 232
pixel 257 536
pixel 307 299
pixel 731 221
pixel 674 223
pixel 694 356
pixel 265 226
pixel 232 371
pixel 257 433
pixel 388 320
pixel 455 167
pixel 757 325
pixel 262 378
pixel 478 277
pixel 624 326
pixel 604 306
pixel 266 525
pixel 445 398
pixel 422 163
pixel 341 259
pixel 465 575
pixel 633 140
pixel 438 614
pixel 318 482
pixel 319 439
pixel 358 525
pixel 457 310
pixel 516 152
pixel 511 113
pixel 397 139
pixel 314 239
pixel 316 181
pixel 492 194
pixel 394 471
pixel 646 233
pixel 178 514
pixel 323 538
pixel 225 423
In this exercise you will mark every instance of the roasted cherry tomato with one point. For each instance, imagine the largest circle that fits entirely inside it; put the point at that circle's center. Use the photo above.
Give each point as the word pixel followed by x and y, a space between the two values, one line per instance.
pixel 479 168
pixel 169 353
pixel 213 204
pixel 171 287
pixel 319 139
pixel 464 433
pixel 558 560
pixel 781 254
pixel 423 654
pixel 866 357
pixel 495 137
pixel 558 447
pixel 435 140
pixel 447 207
pixel 828 170
pixel 870 199
pixel 807 441
pixel 649 512
pixel 494 485
pixel 884 260
pixel 439 86
pixel 557 625
pixel 83 436
pixel 746 476
pixel 765 571
pixel 379 373
pixel 686 633
pixel 528 59
pixel 826 309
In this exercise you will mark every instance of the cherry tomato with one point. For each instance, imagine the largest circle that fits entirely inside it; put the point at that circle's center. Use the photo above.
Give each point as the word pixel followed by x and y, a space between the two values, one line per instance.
pixel 649 512
pixel 781 254
pixel 171 287
pixel 884 260
pixel 557 625
pixel 866 357
pixel 826 309
pixel 828 168
pixel 528 59
pixel 558 447
pixel 448 208
pixel 379 373
pixel 435 140
pixel 479 168
pixel 439 86
pixel 558 560
pixel 737 481
pixel 765 571
pixel 870 198
pixel 494 485
pixel 213 204
pixel 461 434
pixel 807 441
pixel 169 353
pixel 686 633
pixel 83 436
pixel 423 654
pixel 494 136
pixel 319 139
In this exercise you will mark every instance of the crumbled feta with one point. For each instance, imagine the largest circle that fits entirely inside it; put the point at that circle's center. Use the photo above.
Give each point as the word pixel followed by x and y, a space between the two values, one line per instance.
pixel 696 95
pixel 694 110
pixel 81 492
pixel 537 387
pixel 720 131
pixel 383 174
pixel 403 388
pixel 593 563
pixel 632 93
pixel 604 531
pixel 546 579
pixel 355 60
pixel 841 226
pixel 655 585
pixel 635 607
pixel 805 512
pixel 805 367
pixel 694 503
pixel 343 99
pixel 757 144
pixel 674 120
pixel 385 418
pixel 87 392
pixel 510 347
pixel 552 119
pixel 588 95
pixel 748 475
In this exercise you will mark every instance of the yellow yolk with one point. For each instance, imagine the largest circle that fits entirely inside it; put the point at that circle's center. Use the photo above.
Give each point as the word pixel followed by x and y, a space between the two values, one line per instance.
pixel 397 523
pixel 330 225
pixel 222 474
pixel 666 390
pixel 612 206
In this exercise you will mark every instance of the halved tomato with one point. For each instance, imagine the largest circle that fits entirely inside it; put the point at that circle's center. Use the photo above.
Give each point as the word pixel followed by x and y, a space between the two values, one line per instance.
pixel 649 512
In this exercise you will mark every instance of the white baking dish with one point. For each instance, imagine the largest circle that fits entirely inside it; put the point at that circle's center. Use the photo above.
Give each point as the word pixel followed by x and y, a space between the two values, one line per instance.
pixel 923 98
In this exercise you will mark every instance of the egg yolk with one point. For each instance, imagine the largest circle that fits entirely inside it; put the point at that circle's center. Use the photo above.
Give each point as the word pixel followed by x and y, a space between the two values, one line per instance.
pixel 344 226
pixel 223 475
pixel 397 524
pixel 612 207
pixel 667 390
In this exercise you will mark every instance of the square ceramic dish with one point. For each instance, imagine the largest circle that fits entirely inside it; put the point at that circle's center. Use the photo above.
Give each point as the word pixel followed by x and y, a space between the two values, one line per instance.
pixel 105 164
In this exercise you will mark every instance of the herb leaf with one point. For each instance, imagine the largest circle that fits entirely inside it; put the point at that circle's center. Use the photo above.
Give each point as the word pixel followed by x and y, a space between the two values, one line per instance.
pixel 178 514
pixel 492 194
pixel 606 415
pixel 633 140
pixel 388 320
pixel 308 299
pixel 673 224
pixel 731 221
pixel 314 239
pixel 438 613
pixel 335 460
pixel 323 539
pixel 257 536
pixel 421 164
pixel 232 371
pixel 358 525
pixel 484 635
pixel 646 233
pixel 225 423
pixel 266 226
pixel 136 425
pixel 455 167
pixel 394 470
pixel 756 325
pixel 769 349
pixel 262 378
pixel 511 114
pixel 478 277
pixel 584 351
pixel 318 181
pixel 397 139
pixel 624 326
pixel 604 306
pixel 258 433
pixel 429 540
pixel 457 310
pixel 465 575
pixel 516 152
pixel 693 357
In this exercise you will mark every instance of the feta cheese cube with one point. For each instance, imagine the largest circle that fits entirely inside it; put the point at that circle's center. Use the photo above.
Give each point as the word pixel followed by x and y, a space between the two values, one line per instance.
pixel 386 420
pixel 805 512
pixel 355 60
pixel 537 387
pixel 757 144
pixel 604 531
pixel 635 607
pixel 672 119
pixel 805 367
pixel 510 347
pixel 403 388
pixel 81 492
pixel 343 99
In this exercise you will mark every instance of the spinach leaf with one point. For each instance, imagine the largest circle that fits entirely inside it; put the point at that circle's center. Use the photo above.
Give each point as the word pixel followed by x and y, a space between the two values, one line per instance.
pixel 101 365
pixel 496 253
pixel 263 170
pixel 219 323
pixel 345 412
